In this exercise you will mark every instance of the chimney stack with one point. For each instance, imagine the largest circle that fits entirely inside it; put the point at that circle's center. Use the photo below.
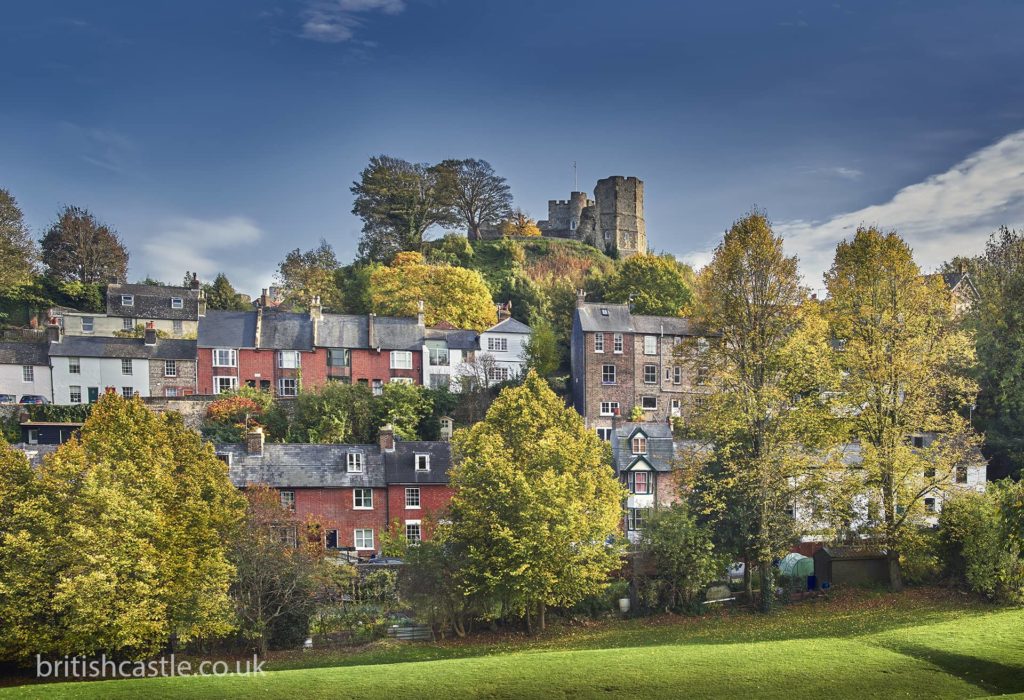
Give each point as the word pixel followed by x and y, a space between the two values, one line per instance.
pixel 580 297
pixel 150 333
pixel 53 331
pixel 505 311
pixel 420 316
pixel 254 441
pixel 316 309
pixel 371 331
pixel 259 325
pixel 202 303
pixel 387 438
pixel 264 298
pixel 195 281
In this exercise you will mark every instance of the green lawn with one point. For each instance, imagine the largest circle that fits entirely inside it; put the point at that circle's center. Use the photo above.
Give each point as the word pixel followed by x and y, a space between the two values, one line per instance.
pixel 871 645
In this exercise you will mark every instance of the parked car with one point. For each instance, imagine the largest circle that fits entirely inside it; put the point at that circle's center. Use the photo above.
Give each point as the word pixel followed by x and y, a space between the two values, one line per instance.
pixel 34 398
pixel 8 398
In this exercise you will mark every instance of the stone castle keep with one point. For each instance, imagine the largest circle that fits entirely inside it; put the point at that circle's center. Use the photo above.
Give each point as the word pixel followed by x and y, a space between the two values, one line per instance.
pixel 613 221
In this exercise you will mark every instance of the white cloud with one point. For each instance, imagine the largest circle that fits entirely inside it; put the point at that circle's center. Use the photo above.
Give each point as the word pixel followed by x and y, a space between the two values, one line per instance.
pixel 335 21
pixel 207 246
pixel 948 214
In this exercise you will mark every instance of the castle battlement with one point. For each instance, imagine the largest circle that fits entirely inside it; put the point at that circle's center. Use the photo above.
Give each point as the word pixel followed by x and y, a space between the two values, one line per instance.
pixel 612 221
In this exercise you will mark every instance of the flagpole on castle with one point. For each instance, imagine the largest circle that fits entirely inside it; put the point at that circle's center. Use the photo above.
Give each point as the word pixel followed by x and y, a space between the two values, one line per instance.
pixel 575 178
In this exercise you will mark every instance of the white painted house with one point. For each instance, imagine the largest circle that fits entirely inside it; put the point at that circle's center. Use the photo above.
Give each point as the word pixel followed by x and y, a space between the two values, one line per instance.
pixel 447 353
pixel 503 349
pixel 24 371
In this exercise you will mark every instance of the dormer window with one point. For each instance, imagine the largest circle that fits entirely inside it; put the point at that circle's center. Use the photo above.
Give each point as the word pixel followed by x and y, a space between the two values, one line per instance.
pixel 640 445
pixel 639 483
pixel 176 303
pixel 422 463
pixel 604 311
pixel 127 300
pixel 354 464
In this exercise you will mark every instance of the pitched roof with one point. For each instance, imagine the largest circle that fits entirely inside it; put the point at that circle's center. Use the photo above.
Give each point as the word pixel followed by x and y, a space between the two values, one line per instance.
pixel 456 338
pixel 509 325
pixel 283 330
pixel 594 316
pixel 227 329
pixel 35 453
pixel 397 333
pixel 400 465
pixel 304 466
pixel 123 348
pixel 153 301
pixel 23 354
pixel 342 331
pixel 660 446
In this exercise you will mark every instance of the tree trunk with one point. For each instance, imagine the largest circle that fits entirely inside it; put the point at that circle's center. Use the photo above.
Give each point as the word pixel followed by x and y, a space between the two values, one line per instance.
pixel 767 586
pixel 474 233
pixel 460 628
pixel 895 572
pixel 748 581
pixel 542 613
pixel 529 622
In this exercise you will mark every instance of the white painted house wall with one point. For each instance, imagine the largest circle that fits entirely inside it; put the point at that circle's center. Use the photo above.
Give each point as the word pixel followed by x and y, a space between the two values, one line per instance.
pixel 104 326
pixel 12 381
pixel 456 358
pixel 514 358
pixel 99 373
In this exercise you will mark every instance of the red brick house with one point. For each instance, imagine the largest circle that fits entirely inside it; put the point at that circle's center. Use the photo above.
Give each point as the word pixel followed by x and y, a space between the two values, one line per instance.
pixel 353 493
pixel 372 350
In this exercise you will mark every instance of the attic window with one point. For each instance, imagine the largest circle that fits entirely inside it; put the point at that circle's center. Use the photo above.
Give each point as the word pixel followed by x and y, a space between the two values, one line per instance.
pixel 422 463
pixel 355 462
pixel 176 303
pixel 640 445
pixel 604 311
pixel 224 457
pixel 127 300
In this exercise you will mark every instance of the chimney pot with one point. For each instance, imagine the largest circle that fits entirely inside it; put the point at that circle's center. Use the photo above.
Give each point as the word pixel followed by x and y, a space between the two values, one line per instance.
pixel 195 280
pixel 580 297
pixel 53 331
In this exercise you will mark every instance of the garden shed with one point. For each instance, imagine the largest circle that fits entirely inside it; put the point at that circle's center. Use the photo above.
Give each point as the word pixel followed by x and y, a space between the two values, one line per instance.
pixel 851 566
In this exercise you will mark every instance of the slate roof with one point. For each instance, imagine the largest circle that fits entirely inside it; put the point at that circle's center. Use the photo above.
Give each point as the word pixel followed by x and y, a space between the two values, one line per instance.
pixel 35 453
pixel 24 354
pixel 153 301
pixel 619 319
pixel 304 466
pixel 342 331
pixel 509 325
pixel 116 348
pixel 283 330
pixel 227 329
pixel 660 446
pixel 397 333
pixel 669 325
pixel 400 465
pixel 456 338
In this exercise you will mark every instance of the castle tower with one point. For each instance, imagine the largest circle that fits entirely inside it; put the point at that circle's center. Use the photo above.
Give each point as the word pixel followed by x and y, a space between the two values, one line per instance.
pixel 620 215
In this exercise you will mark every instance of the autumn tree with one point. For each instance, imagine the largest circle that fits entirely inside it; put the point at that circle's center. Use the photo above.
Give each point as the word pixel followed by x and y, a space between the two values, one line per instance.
pixel 398 202
pixel 118 541
pixel 518 223
pixel 902 358
pixel 453 294
pixel 657 285
pixel 78 248
pixel 308 274
pixel 221 295
pixel 403 407
pixel 535 501
pixel 767 366
pixel 18 253
pixel 542 350
pixel 334 413
pixel 479 196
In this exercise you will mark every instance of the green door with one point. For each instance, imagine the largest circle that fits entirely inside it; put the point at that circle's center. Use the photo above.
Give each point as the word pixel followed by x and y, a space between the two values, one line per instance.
pixel 94 394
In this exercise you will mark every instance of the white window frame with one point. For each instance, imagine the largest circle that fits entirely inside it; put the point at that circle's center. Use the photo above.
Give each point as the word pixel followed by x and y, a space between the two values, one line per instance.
pixel 421 458
pixel 419 531
pixel 74 365
pixel 497 373
pixel 289 359
pixel 177 303
pixel 497 344
pixel 362 539
pixel 354 463
pixel 127 324
pixel 288 387
pixel 128 392
pixel 170 368
pixel 605 373
pixel 127 368
pixel 648 486
pixel 88 324
pixel 127 300
pixel 604 434
pixel 617 343
pixel 410 493
pixel 650 374
pixel 650 345
pixel 677 375
pixel 72 391
pixel 610 411
pixel 171 392
pixel 364 495
pixel 177 327
pixel 639 444
pixel 599 342
pixel 219 388
pixel 288 500
pixel 401 359
pixel 220 361
pixel 645 399
pixel 28 374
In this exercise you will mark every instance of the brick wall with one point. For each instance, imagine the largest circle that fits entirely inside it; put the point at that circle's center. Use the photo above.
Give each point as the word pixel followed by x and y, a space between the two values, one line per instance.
pixel 260 367
pixel 184 381
pixel 370 365
pixel 596 390
pixel 332 509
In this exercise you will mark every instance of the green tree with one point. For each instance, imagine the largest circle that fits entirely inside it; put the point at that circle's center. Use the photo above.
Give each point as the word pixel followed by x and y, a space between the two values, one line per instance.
pixel 535 501
pixel 658 285
pixel 221 295
pixel 519 223
pixel 542 350
pixel 18 253
pixel 683 557
pixel 78 248
pixel 997 321
pixel 403 406
pixel 902 360
pixel 767 370
pixel 118 542
pixel 309 274
pixel 453 294
pixel 478 195
pixel 335 413
pixel 398 202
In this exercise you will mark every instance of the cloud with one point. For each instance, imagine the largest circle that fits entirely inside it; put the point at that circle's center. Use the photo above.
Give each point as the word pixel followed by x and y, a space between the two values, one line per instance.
pixel 207 246
pixel 948 214
pixel 834 171
pixel 103 148
pixel 335 21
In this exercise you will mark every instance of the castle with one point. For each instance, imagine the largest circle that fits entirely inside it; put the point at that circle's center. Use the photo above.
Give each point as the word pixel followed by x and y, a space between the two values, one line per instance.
pixel 613 221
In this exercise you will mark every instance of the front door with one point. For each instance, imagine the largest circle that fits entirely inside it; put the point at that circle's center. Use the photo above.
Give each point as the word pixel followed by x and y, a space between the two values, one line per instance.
pixel 94 394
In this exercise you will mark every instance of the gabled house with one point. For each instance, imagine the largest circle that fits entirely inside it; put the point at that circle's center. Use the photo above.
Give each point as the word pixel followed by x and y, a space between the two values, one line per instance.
pixel 449 356
pixel 372 350
pixel 173 311
pixel 25 371
pixel 503 349
pixel 642 455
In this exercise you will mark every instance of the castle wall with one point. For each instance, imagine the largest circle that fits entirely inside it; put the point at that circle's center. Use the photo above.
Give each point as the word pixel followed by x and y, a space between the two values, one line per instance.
pixel 613 221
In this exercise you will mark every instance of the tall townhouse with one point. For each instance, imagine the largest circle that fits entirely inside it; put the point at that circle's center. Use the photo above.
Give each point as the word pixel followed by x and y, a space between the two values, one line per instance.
pixel 83 367
pixel 173 311
pixel 643 455
pixel 621 360
pixel 24 371
pixel 503 346
pixel 265 349
pixel 448 356
pixel 372 350
pixel 352 493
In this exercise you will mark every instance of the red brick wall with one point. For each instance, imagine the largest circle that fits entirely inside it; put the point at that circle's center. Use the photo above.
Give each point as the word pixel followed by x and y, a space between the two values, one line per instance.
pixel 332 509
pixel 434 498
pixel 264 364
pixel 370 365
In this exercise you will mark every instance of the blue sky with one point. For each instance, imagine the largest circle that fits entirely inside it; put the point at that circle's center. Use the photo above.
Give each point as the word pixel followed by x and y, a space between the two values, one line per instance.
pixel 219 135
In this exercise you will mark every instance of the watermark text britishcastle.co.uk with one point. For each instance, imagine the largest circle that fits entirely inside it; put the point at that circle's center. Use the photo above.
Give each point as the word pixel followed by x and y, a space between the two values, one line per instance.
pixel 82 667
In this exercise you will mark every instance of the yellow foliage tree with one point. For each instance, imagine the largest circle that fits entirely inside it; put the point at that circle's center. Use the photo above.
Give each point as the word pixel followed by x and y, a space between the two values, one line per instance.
pixel 519 224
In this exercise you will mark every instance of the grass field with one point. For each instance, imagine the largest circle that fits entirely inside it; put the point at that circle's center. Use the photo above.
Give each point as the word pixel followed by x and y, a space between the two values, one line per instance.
pixel 865 645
